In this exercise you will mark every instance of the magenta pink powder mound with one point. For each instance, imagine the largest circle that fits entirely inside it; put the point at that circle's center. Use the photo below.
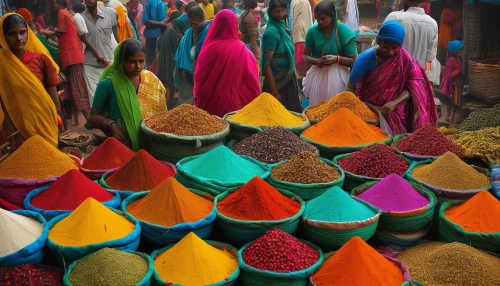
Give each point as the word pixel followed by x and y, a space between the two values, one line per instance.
pixel 394 194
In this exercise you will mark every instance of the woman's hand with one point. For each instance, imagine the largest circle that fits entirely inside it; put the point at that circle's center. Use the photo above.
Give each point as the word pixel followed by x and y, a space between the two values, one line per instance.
pixel 387 108
pixel 328 60
pixel 276 94
pixel 118 133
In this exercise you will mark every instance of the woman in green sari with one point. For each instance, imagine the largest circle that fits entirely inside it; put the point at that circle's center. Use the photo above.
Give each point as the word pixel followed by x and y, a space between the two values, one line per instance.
pixel 126 94
pixel 330 49
pixel 277 58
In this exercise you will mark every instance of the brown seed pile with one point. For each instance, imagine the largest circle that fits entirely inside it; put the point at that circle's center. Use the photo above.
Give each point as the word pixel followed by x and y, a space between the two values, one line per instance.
pixel 344 99
pixel 273 145
pixel 451 173
pixel 186 120
pixel 451 264
pixel 305 168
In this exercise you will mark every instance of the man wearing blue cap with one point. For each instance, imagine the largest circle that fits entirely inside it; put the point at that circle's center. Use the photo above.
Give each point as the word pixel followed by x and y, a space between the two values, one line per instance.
pixel 421 31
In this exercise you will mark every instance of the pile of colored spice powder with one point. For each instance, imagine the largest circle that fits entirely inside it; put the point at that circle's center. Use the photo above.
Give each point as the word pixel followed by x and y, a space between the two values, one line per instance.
pixel 30 275
pixel 111 267
pixel 344 128
pixel 186 120
pixel 192 261
pixel 223 165
pixel 273 145
pixel 141 173
pixel 344 99
pixel 90 223
pixel 478 214
pixel 36 159
pixel 257 200
pixel 111 154
pixel 428 141
pixel 69 191
pixel 169 204
pixel 335 205
pixel 358 264
pixel 266 110
pixel 376 161
pixel 451 173
pixel 441 263
pixel 17 232
pixel 278 251
pixel 305 168
pixel 394 194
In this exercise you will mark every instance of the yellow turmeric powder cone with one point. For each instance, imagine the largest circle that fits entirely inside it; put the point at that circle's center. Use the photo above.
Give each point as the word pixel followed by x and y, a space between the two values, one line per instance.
pixel 192 261
pixel 90 223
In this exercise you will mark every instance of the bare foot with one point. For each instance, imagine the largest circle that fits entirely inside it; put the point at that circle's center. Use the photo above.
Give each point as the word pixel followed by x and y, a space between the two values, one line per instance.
pixel 75 124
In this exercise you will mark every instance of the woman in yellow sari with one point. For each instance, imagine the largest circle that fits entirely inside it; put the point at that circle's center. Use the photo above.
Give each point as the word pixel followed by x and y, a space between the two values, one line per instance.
pixel 127 93
pixel 28 81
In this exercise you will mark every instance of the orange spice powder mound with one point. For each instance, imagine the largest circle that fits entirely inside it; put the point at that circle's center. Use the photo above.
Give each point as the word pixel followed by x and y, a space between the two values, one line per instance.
pixel 358 264
pixel 344 128
pixel 481 213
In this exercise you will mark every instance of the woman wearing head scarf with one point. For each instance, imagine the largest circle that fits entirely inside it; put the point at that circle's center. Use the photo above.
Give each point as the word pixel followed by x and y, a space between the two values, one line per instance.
pixel 226 77
pixel 124 28
pixel 28 94
pixel 390 80
pixel 127 93
pixel 453 79
pixel 277 58
pixel 330 49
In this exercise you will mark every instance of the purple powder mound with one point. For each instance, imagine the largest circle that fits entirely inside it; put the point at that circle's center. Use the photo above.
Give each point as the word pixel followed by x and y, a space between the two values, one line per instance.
pixel 394 194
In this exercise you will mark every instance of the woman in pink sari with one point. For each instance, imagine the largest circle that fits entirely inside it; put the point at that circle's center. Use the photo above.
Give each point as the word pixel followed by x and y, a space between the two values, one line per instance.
pixel 226 76
pixel 393 83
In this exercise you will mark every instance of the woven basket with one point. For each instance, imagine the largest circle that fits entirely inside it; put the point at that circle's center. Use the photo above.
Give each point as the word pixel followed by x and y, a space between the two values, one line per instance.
pixel 484 82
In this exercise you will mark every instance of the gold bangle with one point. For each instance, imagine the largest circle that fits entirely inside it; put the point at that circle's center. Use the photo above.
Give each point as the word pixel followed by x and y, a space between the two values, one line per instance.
pixel 338 60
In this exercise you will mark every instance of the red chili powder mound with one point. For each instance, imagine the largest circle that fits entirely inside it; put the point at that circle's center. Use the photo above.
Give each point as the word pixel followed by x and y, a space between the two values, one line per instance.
pixel 111 154
pixel 358 264
pixel 141 173
pixel 429 141
pixel 257 200
pixel 69 191
pixel 480 213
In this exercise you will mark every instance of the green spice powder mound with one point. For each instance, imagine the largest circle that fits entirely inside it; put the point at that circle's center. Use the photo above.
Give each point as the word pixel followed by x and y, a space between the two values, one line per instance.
pixel 109 267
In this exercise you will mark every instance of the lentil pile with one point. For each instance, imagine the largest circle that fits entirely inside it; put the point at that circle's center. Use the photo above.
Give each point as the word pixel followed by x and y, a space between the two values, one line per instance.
pixel 376 161
pixel 113 266
pixel 343 99
pixel 278 251
pixel 169 204
pixel 273 145
pixel 192 261
pixel 428 141
pixel 357 263
pixel 478 214
pixel 111 154
pixel 337 206
pixel 482 118
pixel 17 232
pixel 484 143
pixel 30 275
pixel 257 200
pixel 449 264
pixel 266 110
pixel 451 173
pixel 186 120
pixel 141 173
pixel 90 223
pixel 344 128
pixel 305 168
pixel 36 159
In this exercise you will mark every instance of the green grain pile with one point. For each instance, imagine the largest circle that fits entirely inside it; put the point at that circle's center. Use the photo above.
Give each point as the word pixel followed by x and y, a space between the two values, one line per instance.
pixel 482 118
pixel 110 267
pixel 451 264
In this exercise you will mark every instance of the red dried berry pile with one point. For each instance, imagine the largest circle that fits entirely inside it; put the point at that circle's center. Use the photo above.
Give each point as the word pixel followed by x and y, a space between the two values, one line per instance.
pixel 429 141
pixel 376 161
pixel 30 275
pixel 278 251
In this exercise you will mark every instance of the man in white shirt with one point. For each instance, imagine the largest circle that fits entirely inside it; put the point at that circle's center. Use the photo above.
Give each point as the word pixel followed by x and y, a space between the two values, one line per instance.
pixel 421 31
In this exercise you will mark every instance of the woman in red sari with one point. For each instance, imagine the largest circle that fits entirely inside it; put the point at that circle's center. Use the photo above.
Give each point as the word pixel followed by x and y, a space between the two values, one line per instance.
pixel 226 76
pixel 392 82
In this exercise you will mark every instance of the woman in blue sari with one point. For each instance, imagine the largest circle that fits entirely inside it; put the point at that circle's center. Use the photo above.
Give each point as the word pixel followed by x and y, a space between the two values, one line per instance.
pixel 330 49
pixel 187 54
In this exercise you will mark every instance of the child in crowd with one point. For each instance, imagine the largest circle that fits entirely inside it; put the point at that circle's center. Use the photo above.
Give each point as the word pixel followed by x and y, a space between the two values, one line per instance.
pixel 453 79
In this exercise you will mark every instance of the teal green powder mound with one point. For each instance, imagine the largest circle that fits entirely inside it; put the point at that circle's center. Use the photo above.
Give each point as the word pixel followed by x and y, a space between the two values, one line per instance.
pixel 337 206
pixel 223 165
